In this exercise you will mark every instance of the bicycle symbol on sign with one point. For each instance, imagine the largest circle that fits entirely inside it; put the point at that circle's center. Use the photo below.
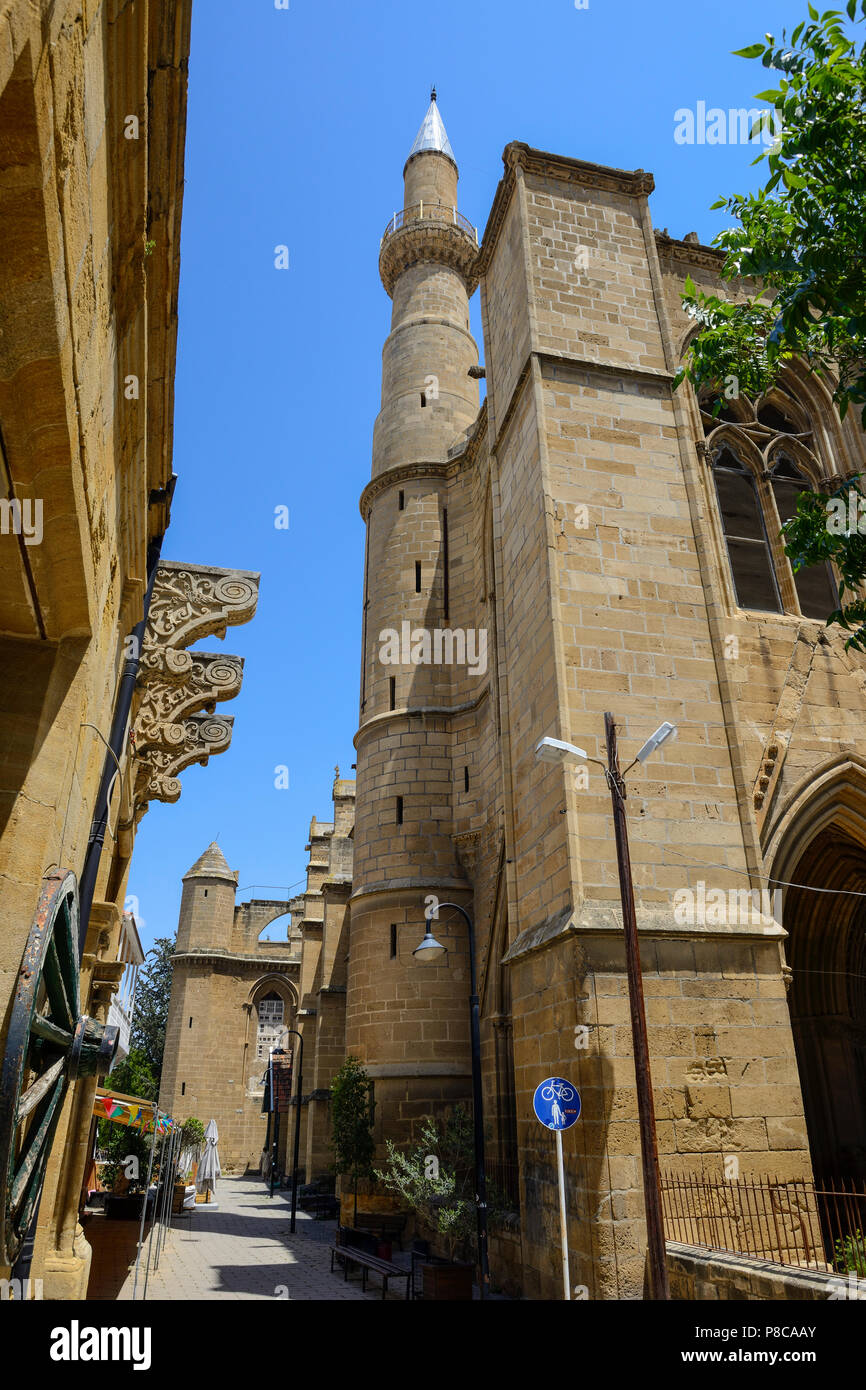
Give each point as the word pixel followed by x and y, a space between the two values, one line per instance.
pixel 558 1090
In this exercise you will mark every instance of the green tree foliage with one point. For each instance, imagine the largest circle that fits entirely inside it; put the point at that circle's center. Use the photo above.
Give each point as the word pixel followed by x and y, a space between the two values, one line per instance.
pixel 436 1178
pixel 801 236
pixel 800 241
pixel 192 1133
pixel 352 1122
pixel 134 1076
pixel 151 1004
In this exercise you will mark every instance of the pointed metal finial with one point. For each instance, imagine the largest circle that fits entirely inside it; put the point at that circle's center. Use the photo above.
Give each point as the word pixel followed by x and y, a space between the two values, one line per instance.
pixel 432 134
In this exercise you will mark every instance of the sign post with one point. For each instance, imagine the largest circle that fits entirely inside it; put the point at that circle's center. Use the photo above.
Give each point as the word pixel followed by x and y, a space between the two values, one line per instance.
pixel 557 1105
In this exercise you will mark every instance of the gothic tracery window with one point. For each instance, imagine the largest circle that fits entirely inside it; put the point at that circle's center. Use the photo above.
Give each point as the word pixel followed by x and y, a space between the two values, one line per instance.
pixel 271 1011
pixel 761 455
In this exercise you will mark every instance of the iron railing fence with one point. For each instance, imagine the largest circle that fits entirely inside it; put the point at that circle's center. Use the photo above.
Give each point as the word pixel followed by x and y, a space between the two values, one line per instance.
pixel 503 1182
pixel 806 1225
pixel 430 212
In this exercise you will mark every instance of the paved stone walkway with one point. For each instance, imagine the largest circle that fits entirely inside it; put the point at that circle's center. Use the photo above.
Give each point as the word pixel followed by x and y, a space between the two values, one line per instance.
pixel 242 1249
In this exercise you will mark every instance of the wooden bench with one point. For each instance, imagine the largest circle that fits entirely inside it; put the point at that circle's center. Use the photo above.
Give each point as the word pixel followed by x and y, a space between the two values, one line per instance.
pixel 385 1225
pixel 323 1208
pixel 320 1203
pixel 367 1262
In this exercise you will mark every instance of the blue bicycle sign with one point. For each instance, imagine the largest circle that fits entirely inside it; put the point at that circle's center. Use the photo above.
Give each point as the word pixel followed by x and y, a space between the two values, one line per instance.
pixel 556 1103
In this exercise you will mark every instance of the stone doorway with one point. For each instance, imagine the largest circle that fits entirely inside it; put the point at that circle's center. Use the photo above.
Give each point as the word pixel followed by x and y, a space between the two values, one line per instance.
pixel 826 950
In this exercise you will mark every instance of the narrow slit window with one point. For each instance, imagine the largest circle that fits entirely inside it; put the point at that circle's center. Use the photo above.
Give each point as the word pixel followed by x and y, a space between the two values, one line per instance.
pixel 392 684
pixel 423 399
pixel 399 810
pixel 183 1088
pixel 445 565
pixel 401 501
pixel 466 779
pixel 417 576
pixel 393 940
pixel 190 1020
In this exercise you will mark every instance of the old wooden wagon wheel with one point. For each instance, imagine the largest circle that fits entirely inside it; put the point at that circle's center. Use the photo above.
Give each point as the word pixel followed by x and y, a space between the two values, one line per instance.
pixel 49 1044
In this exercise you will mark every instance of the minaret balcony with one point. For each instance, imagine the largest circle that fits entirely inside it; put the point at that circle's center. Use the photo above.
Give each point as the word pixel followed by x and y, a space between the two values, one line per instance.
pixel 428 231
pixel 429 212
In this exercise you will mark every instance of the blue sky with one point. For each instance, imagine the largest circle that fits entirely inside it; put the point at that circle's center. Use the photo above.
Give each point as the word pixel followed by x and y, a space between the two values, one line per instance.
pixel 300 121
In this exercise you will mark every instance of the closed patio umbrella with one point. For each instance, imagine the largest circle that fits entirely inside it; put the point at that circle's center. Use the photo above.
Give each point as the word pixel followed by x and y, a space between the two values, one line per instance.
pixel 209 1167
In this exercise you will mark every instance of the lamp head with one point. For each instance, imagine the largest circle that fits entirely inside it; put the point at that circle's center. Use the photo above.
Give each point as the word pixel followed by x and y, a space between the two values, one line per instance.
pixel 430 949
pixel 554 750
pixel 661 735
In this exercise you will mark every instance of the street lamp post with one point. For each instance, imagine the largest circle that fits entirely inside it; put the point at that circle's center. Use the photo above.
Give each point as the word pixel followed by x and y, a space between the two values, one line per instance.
pixel 297 1149
pixel 431 950
pixel 554 750
pixel 643 1079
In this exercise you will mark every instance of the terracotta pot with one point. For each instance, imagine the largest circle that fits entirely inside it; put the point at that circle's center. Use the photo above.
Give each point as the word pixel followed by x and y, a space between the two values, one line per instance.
pixel 452 1282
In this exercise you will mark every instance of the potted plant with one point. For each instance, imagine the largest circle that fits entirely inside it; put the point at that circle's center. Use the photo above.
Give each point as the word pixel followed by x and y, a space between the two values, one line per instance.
pixel 436 1178
pixel 352 1124
pixel 191 1140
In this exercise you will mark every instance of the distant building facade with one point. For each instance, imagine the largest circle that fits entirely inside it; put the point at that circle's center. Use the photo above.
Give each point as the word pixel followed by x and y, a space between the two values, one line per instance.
pixel 235 996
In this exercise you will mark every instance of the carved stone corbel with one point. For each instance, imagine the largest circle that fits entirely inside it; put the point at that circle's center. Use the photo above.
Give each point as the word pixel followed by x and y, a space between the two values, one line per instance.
pixel 174 723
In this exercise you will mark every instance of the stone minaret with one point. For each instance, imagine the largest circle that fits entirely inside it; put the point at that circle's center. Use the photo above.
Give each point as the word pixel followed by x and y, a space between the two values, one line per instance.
pixel 408 1022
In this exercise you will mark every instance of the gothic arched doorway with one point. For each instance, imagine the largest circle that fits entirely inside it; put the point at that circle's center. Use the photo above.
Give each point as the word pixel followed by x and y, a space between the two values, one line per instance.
pixel 826 950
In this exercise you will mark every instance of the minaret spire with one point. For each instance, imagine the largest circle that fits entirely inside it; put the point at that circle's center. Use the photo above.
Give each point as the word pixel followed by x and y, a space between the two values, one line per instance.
pixel 432 135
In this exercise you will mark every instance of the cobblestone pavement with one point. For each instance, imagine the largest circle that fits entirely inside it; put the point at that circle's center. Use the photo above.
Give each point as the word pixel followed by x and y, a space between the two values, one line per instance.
pixel 242 1248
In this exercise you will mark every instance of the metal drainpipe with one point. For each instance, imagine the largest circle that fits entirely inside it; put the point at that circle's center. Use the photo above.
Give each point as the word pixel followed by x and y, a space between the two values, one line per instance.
pixel 129 676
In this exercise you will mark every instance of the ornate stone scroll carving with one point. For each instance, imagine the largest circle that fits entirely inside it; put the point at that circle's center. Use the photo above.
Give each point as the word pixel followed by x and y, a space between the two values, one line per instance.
pixel 181 745
pixel 174 684
pixel 194 601
pixel 174 723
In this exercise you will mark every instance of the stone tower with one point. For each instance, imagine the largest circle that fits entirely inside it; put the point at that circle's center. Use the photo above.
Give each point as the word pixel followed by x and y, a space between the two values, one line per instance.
pixel 414 1037
pixel 208 903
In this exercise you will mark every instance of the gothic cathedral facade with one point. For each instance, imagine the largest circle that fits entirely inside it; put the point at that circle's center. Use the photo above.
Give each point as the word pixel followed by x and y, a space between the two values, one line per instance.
pixel 584 541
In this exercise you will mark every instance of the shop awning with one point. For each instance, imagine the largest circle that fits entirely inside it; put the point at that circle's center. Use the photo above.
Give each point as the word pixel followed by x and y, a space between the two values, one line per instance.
pixel 131 1111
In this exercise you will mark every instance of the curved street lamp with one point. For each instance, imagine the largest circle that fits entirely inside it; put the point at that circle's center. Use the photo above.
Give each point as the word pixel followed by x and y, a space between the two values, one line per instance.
pixel 431 950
